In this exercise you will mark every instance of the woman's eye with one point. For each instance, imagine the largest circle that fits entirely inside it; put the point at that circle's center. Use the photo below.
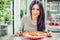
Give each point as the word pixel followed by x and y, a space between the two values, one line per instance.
pixel 38 9
pixel 33 8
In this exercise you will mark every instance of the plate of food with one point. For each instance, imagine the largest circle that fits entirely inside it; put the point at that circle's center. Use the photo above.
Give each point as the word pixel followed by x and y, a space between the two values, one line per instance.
pixel 34 34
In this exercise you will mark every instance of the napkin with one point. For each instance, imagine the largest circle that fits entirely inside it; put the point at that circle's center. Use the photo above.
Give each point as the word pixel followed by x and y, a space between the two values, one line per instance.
pixel 18 38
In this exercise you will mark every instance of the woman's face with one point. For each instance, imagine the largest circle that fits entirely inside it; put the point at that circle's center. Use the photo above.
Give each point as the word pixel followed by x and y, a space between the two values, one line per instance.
pixel 35 10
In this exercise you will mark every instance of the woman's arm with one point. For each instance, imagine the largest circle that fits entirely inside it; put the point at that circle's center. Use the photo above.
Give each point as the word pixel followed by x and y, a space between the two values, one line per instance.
pixel 21 28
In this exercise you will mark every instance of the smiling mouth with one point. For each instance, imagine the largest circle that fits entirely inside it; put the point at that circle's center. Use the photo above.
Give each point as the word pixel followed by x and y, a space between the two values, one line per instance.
pixel 35 15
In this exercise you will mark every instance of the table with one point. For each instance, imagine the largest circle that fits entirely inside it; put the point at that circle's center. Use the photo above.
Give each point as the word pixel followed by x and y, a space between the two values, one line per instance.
pixel 56 36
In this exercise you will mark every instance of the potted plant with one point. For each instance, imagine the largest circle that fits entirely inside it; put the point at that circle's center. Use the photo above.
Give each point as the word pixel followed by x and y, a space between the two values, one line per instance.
pixel 7 20
pixel 5 16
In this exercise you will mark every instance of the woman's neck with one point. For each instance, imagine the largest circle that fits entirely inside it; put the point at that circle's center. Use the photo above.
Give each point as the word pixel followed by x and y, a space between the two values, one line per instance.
pixel 34 19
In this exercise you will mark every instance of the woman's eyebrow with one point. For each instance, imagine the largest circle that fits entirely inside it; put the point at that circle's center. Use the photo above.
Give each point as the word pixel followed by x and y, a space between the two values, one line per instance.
pixel 33 8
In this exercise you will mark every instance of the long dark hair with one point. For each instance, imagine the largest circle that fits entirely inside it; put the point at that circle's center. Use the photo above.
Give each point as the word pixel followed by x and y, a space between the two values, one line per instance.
pixel 41 17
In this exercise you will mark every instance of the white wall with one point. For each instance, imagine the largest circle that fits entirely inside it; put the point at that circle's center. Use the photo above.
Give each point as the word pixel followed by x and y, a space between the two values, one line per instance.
pixel 16 15
pixel 28 5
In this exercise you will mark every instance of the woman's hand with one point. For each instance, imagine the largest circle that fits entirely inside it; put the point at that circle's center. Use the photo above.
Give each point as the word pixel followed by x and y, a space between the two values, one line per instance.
pixel 49 34
pixel 18 33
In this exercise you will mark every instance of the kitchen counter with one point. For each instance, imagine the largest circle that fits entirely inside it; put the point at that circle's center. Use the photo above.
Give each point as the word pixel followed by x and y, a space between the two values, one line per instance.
pixel 55 36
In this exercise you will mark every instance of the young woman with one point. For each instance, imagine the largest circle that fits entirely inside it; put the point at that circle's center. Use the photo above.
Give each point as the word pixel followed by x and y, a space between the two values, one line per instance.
pixel 36 20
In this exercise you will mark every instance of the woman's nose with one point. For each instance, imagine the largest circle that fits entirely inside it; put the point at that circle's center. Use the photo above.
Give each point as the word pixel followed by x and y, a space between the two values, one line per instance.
pixel 35 11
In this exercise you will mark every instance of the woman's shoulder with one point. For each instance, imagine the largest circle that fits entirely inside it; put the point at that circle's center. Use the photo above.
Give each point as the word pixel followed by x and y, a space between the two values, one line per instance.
pixel 25 17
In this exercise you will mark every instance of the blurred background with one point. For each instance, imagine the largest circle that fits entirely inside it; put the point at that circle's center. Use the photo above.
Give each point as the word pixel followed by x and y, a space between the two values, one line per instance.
pixel 12 11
